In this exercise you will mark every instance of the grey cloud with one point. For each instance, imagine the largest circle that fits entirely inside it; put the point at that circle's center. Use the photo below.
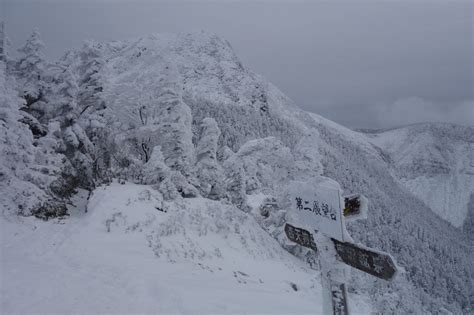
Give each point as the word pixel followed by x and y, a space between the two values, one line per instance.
pixel 415 109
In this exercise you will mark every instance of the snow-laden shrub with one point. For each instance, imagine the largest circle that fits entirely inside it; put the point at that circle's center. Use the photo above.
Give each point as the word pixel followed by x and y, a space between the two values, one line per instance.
pixel 49 210
pixel 169 182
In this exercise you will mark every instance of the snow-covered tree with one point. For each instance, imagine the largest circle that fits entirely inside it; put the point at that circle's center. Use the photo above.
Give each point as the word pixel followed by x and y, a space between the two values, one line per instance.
pixel 2 42
pixel 208 170
pixel 266 163
pixel 28 167
pixel 90 80
pixel 174 129
pixel 31 68
pixel 63 92
pixel 80 152
pixel 207 144
pixel 235 183
pixel 6 50
pixel 155 170
pixel 259 165
pixel 169 182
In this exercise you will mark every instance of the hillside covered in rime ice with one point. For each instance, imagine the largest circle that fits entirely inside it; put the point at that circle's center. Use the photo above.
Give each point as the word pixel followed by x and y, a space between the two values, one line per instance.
pixel 134 175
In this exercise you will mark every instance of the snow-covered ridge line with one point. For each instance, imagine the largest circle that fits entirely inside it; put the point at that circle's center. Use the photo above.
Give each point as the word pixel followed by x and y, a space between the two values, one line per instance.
pixel 435 162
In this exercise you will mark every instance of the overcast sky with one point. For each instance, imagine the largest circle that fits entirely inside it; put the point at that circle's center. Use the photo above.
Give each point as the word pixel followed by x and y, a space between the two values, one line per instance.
pixel 360 63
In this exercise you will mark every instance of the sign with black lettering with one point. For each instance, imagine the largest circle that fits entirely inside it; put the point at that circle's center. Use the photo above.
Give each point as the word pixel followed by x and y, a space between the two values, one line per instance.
pixel 300 236
pixel 319 207
pixel 375 263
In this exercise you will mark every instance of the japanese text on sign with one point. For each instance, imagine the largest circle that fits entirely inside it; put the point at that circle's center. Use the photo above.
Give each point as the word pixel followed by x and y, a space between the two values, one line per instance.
pixel 318 207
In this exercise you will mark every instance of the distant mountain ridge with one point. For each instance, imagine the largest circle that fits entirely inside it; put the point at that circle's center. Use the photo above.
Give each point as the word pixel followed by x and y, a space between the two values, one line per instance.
pixel 435 161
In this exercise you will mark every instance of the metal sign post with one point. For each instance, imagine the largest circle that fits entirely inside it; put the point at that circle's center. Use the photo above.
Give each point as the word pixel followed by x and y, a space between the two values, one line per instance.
pixel 320 207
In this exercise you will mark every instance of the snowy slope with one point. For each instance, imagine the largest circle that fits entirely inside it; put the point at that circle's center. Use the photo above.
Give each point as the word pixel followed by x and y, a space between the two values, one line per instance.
pixel 125 256
pixel 436 163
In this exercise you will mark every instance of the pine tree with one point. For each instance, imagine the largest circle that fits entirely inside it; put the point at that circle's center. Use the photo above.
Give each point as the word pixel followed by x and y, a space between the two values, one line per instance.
pixel 64 92
pixel 90 81
pixel 28 166
pixel 174 129
pixel 31 69
pixel 235 183
pixel 209 171
pixel 2 42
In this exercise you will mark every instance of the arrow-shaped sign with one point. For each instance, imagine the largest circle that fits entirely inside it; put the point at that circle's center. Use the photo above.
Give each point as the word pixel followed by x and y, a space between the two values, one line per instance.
pixel 377 264
pixel 300 236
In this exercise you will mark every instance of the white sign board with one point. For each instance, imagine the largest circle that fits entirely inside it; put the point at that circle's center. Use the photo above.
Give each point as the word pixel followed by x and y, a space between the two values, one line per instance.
pixel 319 207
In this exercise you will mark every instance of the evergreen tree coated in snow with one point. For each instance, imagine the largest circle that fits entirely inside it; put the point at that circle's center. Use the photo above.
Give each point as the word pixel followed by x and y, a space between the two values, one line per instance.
pixel 90 80
pixel 2 42
pixel 166 122
pixel 155 170
pixel 234 182
pixel 31 69
pixel 28 166
pixel 266 162
pixel 63 93
pixel 174 129
pixel 5 47
pixel 209 172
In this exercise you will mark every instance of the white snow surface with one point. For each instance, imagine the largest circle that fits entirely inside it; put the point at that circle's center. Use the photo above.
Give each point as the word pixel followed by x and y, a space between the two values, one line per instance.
pixel 125 256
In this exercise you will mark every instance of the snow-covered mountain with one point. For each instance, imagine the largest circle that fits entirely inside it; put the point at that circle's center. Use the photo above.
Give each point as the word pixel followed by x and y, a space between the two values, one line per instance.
pixel 436 163
pixel 188 129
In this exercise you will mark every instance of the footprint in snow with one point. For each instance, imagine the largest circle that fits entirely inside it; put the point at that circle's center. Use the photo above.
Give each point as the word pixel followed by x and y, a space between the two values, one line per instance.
pixel 241 277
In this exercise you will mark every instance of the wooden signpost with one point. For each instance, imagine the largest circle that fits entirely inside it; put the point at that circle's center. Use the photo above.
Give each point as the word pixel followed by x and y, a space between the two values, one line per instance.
pixel 320 208
pixel 300 236
pixel 339 298
pixel 377 264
